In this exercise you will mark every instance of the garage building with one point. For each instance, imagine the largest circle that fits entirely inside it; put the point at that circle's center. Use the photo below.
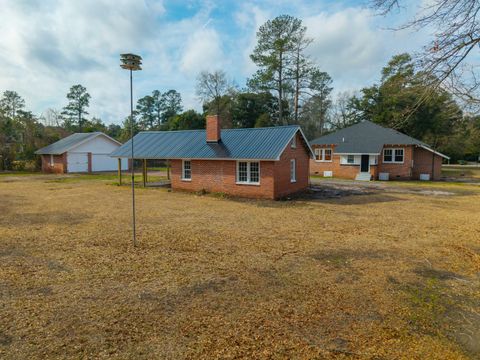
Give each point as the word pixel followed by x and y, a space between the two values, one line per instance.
pixel 81 153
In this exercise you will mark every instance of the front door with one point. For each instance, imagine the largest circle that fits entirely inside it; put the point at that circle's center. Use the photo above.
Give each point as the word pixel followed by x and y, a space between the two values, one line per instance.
pixel 364 166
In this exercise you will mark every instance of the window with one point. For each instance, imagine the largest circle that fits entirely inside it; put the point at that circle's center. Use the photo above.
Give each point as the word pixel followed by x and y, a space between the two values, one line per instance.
pixel 293 171
pixel 248 172
pixel 186 170
pixel 51 160
pixel 350 159
pixel 387 155
pixel 328 155
pixel 399 155
pixel 323 154
pixel 393 155
pixel 293 144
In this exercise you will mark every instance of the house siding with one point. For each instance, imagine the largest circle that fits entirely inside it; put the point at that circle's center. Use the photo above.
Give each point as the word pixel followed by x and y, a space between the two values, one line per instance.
pixel 59 164
pixel 221 175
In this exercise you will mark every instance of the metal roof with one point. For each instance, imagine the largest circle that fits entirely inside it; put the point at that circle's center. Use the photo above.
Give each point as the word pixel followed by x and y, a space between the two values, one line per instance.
pixel 365 138
pixel 65 144
pixel 253 143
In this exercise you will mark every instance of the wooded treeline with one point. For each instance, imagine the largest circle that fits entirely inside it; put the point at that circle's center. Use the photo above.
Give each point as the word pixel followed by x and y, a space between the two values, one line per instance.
pixel 287 88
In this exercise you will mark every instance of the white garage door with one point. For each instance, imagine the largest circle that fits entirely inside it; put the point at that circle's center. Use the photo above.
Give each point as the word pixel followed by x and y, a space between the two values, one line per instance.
pixel 103 162
pixel 77 162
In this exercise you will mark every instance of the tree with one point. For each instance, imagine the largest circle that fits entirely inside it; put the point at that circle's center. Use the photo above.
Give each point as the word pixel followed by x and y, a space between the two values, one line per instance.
pixel 126 132
pixel 187 121
pixel 248 107
pixel 51 117
pixel 11 103
pixel 146 111
pixel 395 103
pixel 277 40
pixel 449 58
pixel 343 112
pixel 171 105
pixel 314 115
pixel 211 87
pixel 79 100
pixel 301 68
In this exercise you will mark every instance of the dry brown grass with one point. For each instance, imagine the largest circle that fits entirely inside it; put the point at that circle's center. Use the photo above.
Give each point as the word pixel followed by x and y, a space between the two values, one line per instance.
pixel 384 275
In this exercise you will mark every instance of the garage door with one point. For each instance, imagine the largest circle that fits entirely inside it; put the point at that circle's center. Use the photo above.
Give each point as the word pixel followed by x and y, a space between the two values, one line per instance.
pixel 103 162
pixel 77 162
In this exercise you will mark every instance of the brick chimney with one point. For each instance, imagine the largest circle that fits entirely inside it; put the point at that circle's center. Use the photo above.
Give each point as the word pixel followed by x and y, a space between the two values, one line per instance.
pixel 213 128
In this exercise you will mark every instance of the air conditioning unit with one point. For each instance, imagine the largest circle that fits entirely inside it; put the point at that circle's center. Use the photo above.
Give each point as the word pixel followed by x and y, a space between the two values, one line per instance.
pixel 383 176
pixel 328 174
pixel 424 177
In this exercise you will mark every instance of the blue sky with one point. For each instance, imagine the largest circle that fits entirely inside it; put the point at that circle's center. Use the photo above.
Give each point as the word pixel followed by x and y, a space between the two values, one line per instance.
pixel 47 46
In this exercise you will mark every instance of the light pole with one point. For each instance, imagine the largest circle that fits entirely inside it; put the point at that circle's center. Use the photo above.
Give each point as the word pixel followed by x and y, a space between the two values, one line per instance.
pixel 132 62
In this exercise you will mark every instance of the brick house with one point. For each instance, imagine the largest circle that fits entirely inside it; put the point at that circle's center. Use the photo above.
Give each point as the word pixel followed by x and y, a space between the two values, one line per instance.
pixel 366 151
pixel 80 152
pixel 258 163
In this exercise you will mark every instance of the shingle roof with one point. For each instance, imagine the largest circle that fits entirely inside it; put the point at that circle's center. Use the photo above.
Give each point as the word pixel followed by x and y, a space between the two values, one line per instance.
pixel 365 138
pixel 68 143
pixel 245 144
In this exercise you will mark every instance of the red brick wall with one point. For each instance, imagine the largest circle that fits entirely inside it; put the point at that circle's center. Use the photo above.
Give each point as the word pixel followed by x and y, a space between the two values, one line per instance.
pixel 213 128
pixel 59 164
pixel 422 164
pixel 341 171
pixel 283 185
pixel 422 160
pixel 401 171
pixel 221 176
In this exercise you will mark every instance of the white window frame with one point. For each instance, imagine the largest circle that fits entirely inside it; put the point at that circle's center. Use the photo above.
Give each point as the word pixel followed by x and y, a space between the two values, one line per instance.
pixel 183 170
pixel 293 170
pixel 348 162
pixel 321 152
pixel 248 182
pixel 393 161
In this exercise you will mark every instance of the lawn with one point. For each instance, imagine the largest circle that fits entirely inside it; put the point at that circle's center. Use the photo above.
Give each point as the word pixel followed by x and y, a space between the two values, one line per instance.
pixel 462 172
pixel 388 274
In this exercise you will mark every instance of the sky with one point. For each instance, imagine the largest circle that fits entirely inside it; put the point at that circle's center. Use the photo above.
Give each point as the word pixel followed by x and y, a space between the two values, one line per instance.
pixel 49 45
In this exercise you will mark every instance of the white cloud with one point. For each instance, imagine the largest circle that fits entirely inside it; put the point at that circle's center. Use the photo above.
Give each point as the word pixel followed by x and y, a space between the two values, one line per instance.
pixel 203 51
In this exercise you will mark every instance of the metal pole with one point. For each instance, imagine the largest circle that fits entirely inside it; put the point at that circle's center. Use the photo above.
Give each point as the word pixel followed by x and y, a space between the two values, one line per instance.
pixel 132 169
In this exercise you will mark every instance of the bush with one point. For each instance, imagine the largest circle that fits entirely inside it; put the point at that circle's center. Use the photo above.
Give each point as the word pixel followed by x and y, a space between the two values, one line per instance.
pixel 24 165
pixel 462 162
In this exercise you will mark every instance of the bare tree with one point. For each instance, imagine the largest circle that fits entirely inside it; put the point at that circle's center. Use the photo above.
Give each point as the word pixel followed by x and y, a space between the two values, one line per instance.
pixel 342 114
pixel 449 59
pixel 212 86
pixel 51 117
